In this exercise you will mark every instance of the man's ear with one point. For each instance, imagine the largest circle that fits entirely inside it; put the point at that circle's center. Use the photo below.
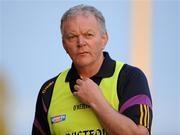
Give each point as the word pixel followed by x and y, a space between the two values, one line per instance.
pixel 64 45
pixel 105 38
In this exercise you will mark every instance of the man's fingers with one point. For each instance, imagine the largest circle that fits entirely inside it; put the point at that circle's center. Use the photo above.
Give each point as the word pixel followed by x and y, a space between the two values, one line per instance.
pixel 76 87
pixel 75 93
pixel 79 81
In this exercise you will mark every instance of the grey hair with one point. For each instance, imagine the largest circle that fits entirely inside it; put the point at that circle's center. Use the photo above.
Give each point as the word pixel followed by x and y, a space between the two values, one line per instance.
pixel 83 10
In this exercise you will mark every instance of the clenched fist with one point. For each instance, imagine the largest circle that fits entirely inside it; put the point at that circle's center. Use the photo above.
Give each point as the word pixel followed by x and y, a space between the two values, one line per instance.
pixel 88 91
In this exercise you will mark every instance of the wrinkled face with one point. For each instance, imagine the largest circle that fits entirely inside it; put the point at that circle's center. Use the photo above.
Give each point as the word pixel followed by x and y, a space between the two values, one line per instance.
pixel 83 40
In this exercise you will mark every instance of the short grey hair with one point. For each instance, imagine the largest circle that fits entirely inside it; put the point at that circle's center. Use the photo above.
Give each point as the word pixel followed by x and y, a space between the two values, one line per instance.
pixel 83 10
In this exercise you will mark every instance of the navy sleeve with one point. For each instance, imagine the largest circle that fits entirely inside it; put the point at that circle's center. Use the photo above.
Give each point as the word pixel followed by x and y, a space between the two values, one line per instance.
pixel 134 96
pixel 40 124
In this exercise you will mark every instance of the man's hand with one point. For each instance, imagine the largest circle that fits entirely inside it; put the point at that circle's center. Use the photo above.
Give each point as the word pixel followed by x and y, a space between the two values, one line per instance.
pixel 88 91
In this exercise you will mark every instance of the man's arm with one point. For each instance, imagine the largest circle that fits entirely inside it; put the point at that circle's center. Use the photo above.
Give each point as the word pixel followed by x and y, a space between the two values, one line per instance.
pixel 135 97
pixel 40 124
pixel 116 123
pixel 113 122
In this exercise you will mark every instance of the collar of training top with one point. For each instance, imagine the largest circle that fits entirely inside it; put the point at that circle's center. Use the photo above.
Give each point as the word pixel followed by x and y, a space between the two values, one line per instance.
pixel 106 70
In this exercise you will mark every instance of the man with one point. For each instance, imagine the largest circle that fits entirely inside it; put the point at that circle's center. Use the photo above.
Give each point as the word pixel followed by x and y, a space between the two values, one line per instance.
pixel 97 95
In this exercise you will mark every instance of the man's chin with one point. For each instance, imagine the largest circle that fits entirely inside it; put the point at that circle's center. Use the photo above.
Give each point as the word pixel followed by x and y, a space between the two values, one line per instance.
pixel 82 64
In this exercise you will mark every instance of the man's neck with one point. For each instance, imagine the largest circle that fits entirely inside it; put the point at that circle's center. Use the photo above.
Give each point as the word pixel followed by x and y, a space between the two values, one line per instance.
pixel 90 70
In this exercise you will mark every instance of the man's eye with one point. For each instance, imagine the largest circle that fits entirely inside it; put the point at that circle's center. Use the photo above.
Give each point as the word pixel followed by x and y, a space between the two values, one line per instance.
pixel 89 35
pixel 71 37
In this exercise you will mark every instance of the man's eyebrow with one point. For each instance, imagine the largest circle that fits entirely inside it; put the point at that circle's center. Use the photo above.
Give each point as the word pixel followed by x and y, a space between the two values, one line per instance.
pixel 89 30
pixel 69 33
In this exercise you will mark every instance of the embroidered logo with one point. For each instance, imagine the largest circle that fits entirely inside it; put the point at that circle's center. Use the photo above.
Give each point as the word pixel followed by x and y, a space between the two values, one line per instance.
pixel 59 118
pixel 47 87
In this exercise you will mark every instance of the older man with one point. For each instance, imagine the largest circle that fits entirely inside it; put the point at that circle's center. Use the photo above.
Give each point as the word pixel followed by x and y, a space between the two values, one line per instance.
pixel 97 95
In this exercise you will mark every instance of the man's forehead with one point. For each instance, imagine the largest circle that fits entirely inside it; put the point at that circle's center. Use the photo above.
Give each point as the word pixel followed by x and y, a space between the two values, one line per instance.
pixel 80 21
pixel 81 16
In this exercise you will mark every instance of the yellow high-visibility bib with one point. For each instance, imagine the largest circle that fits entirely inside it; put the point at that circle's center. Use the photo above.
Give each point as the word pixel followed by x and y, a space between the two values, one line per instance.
pixel 68 116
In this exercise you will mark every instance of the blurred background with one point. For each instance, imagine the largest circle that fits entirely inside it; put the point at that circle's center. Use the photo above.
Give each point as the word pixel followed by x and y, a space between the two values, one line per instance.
pixel 144 33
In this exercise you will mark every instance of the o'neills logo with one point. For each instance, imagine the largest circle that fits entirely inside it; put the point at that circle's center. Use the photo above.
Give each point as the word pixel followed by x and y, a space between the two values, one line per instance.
pixel 88 132
pixel 80 106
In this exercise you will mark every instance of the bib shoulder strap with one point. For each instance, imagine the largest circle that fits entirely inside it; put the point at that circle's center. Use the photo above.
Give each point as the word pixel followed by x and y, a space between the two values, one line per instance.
pixel 48 88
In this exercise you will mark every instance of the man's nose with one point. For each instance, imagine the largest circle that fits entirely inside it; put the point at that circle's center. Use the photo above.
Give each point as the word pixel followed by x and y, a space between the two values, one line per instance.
pixel 81 41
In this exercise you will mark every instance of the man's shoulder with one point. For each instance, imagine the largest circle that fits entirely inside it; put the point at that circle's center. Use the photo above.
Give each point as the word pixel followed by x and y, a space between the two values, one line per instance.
pixel 46 91
pixel 49 84
pixel 132 80
pixel 129 70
